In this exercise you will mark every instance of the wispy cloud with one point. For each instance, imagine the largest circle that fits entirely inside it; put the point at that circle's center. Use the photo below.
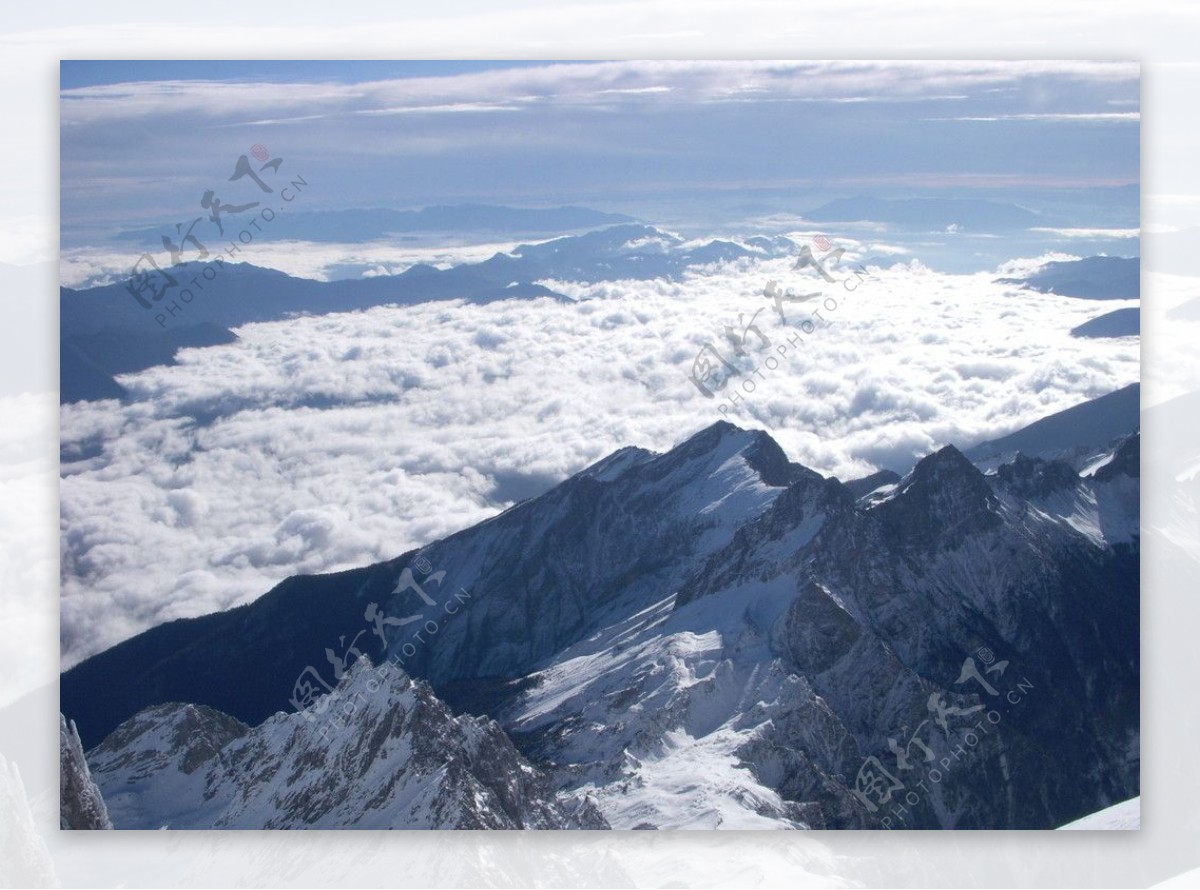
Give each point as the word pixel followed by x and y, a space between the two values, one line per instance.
pixel 1091 233
pixel 580 83
pixel 634 91
pixel 1054 117
pixel 454 107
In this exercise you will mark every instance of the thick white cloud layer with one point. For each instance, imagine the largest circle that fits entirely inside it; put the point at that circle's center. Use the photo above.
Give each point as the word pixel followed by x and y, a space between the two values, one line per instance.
pixel 327 442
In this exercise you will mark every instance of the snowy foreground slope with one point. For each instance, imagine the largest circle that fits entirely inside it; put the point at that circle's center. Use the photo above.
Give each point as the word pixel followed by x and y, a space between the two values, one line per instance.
pixel 713 637
pixel 1124 816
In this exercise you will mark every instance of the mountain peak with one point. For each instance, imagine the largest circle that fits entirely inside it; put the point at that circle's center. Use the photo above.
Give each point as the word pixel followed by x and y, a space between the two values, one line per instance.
pixel 760 452
pixel 944 495
pixel 720 431
pixel 945 459
pixel 717 430
pixel 1126 460
pixel 177 735
pixel 390 755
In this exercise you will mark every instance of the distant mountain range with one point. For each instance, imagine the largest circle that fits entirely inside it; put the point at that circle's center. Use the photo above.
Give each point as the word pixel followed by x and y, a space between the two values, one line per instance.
pixel 929 214
pixel 710 637
pixel 105 332
pixel 356 226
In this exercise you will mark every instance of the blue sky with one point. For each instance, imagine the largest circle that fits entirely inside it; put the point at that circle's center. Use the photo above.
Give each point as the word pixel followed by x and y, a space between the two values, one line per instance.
pixel 142 141
pixel 86 73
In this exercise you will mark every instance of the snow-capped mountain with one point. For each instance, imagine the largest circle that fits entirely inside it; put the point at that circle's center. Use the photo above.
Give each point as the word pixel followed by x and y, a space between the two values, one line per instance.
pixel 517 589
pixel 380 751
pixel 830 632
pixel 714 637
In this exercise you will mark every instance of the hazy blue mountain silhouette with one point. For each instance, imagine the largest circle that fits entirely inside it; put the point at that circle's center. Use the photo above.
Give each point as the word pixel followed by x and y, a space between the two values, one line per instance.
pixel 349 226
pixel 1091 278
pixel 1118 323
pixel 971 214
pixel 1092 424
pixel 105 331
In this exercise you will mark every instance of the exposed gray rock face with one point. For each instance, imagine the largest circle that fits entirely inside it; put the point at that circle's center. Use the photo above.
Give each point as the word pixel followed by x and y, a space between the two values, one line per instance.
pixel 895 606
pixel 1036 478
pixel 381 751
pixel 81 806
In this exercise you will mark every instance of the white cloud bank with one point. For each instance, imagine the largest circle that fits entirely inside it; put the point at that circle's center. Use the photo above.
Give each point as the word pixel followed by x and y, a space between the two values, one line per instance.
pixel 327 442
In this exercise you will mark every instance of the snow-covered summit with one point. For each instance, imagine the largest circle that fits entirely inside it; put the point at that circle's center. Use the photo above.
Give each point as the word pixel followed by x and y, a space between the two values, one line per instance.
pixel 381 751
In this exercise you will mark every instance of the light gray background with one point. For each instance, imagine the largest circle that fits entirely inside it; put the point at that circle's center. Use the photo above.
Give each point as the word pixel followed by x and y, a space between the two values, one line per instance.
pixel 1162 35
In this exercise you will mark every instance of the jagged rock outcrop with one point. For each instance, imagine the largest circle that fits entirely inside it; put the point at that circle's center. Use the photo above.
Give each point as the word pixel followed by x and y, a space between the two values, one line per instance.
pixel 381 751
pixel 80 804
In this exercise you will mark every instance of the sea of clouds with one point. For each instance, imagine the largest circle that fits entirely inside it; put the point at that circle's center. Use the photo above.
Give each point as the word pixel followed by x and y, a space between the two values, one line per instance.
pixel 320 443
